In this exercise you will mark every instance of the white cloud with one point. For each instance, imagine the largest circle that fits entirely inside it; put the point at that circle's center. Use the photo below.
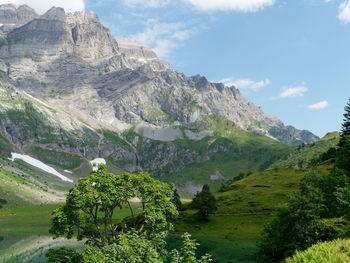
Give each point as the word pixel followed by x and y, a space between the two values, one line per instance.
pixel 163 37
pixel 41 6
pixel 291 92
pixel 245 83
pixel 319 105
pixel 147 3
pixel 231 5
pixel 344 12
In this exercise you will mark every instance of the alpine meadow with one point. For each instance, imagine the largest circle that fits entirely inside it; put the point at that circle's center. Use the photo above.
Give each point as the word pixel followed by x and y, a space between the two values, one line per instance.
pixel 114 149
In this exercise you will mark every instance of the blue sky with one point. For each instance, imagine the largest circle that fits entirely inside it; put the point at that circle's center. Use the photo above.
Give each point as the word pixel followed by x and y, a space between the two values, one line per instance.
pixel 290 57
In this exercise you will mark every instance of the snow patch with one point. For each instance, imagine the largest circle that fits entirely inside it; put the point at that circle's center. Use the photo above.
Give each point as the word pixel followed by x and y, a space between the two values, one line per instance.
pixel 34 162
pixel 66 171
pixel 96 162
pixel 30 96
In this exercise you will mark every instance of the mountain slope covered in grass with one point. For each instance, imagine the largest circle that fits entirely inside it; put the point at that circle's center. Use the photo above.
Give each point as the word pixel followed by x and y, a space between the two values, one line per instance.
pixel 303 154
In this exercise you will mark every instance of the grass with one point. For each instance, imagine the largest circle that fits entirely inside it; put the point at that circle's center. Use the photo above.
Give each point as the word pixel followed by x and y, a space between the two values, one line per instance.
pixel 244 153
pixel 232 233
pixel 29 220
pixel 57 158
pixel 264 191
pixel 24 232
pixel 229 238
pixel 303 154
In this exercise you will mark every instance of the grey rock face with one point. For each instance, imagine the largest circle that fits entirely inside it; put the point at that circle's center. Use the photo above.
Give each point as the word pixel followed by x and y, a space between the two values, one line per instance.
pixel 57 56
pixel 15 16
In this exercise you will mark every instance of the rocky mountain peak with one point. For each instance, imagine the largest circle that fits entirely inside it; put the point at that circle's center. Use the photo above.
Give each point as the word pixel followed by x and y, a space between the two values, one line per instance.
pixel 56 34
pixel 82 18
pixel 55 13
pixel 15 16
pixel 138 54
pixel 73 53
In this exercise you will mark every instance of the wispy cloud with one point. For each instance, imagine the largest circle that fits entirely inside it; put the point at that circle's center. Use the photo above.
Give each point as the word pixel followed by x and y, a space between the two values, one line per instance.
pixel 147 3
pixel 344 12
pixel 42 6
pixel 319 105
pixel 231 5
pixel 245 83
pixel 291 92
pixel 163 37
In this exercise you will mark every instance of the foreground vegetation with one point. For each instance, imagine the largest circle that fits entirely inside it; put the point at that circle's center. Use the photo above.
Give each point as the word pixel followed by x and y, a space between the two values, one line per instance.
pixel 333 251
pixel 319 211
pixel 296 209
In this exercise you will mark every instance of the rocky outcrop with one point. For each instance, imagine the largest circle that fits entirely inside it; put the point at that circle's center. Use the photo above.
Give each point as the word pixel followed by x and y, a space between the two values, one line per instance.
pixel 11 15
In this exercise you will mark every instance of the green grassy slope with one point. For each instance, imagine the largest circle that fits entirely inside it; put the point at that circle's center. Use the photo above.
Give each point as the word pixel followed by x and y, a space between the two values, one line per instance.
pixel 247 152
pixel 22 184
pixel 303 154
pixel 263 191
pixel 232 233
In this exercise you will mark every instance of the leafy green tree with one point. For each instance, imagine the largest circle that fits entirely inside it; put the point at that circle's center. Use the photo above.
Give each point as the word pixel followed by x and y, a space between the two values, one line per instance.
pixel 325 252
pixel 139 238
pixel 187 253
pixel 240 176
pixel 303 221
pixel 205 201
pixel 90 206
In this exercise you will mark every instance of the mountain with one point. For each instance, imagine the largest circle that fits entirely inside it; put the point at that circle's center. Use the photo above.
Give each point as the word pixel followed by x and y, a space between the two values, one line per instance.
pixel 70 90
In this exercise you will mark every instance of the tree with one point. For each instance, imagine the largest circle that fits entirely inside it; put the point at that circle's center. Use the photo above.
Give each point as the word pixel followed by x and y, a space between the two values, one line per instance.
pixel 344 143
pixel 205 201
pixel 311 215
pixel 345 131
pixel 325 252
pixel 2 202
pixel 176 200
pixel 90 206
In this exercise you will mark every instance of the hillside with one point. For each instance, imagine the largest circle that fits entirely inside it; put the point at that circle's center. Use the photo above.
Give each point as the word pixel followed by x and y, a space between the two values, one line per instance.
pixel 232 233
pixel 303 154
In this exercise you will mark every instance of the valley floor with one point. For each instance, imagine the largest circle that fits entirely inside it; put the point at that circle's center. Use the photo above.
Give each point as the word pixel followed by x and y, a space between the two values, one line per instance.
pixel 229 238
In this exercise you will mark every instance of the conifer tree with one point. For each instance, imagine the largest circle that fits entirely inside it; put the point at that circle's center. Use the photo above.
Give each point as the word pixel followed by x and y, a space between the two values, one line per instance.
pixel 345 131
pixel 343 160
pixel 176 200
pixel 205 201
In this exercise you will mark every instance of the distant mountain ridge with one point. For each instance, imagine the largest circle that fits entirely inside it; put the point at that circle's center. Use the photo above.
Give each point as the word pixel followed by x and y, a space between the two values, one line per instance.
pixel 60 49
pixel 68 85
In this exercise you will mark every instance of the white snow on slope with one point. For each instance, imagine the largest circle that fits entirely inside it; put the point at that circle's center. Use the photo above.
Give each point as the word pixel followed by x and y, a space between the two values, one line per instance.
pixel 30 96
pixel 96 162
pixel 40 165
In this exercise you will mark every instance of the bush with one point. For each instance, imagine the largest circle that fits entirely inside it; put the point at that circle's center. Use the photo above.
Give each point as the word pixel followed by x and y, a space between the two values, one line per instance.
pixel 337 251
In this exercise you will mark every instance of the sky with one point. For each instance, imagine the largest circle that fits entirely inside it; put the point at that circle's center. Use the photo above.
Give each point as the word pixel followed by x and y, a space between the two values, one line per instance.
pixel 290 57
